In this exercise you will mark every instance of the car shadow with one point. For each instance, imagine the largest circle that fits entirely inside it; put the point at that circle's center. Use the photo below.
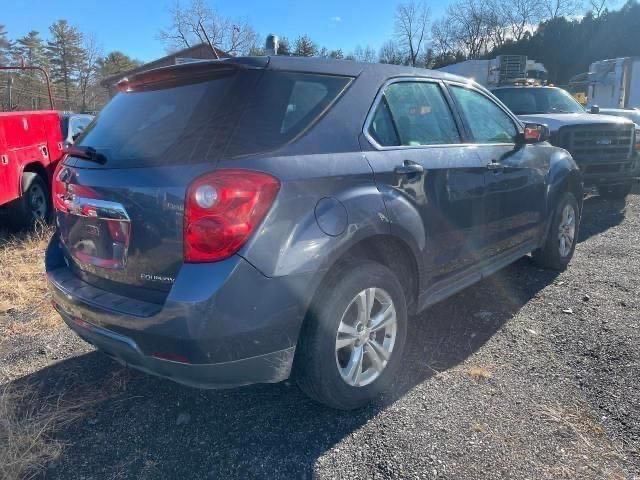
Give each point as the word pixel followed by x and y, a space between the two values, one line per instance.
pixel 138 426
pixel 599 215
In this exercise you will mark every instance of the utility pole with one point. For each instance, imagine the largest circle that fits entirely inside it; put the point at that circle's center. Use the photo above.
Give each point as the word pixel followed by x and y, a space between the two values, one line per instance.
pixel 9 93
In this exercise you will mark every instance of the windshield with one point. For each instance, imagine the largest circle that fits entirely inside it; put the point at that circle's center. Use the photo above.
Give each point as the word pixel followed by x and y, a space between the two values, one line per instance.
pixel 530 101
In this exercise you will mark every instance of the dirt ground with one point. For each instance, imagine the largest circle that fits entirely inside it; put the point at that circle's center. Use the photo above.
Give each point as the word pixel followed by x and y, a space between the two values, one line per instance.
pixel 527 375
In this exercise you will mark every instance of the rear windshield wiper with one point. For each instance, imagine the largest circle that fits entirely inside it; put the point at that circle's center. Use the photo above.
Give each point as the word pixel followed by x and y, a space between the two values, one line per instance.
pixel 86 153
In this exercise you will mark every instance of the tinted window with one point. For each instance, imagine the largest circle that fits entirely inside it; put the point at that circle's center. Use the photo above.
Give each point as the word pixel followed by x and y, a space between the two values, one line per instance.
pixel 530 101
pixel 169 124
pixel 382 128
pixel 488 122
pixel 284 106
pixel 197 119
pixel 413 114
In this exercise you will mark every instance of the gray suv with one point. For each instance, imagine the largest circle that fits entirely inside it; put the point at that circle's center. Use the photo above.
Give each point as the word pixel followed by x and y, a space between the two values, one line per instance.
pixel 246 220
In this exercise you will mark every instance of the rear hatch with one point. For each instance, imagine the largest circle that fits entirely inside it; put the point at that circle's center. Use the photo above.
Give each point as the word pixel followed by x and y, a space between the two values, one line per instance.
pixel 120 195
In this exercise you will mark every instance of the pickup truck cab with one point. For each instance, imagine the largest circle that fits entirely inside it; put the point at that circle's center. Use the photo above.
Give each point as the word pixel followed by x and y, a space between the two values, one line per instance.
pixel 31 144
pixel 603 146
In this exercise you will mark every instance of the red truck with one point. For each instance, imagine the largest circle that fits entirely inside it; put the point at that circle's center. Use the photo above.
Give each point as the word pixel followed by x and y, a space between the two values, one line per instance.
pixel 31 144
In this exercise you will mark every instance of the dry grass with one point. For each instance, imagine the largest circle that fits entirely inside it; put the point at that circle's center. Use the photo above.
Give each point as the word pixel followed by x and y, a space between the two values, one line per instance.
pixel 478 373
pixel 26 427
pixel 24 299
pixel 29 422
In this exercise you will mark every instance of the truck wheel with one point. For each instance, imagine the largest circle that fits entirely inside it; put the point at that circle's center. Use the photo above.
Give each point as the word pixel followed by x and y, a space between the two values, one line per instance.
pixel 615 192
pixel 352 341
pixel 34 205
pixel 557 251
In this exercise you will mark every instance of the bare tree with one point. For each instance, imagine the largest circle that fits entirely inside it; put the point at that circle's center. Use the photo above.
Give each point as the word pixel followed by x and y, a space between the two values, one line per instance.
pixel 470 26
pixel 443 38
pixel 598 7
pixel 391 53
pixel 552 9
pixel 366 54
pixel 233 36
pixel 88 68
pixel 513 18
pixel 411 28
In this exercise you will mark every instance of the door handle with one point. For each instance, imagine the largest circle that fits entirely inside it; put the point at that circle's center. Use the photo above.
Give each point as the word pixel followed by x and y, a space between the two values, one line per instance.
pixel 408 168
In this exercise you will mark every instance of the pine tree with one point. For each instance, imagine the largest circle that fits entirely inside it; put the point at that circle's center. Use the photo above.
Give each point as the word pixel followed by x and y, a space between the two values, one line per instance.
pixel 30 50
pixel 305 47
pixel 114 63
pixel 5 45
pixel 284 48
pixel 65 56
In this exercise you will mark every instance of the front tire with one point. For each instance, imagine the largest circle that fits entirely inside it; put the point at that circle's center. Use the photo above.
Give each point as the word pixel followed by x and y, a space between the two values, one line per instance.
pixel 615 192
pixel 352 341
pixel 33 206
pixel 558 249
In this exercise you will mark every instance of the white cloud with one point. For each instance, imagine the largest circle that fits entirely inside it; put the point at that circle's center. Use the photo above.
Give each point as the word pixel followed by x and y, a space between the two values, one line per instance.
pixel 336 19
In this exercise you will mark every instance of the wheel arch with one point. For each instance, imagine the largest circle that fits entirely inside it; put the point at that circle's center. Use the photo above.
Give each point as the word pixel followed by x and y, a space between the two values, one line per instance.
pixel 31 170
pixel 564 176
pixel 388 250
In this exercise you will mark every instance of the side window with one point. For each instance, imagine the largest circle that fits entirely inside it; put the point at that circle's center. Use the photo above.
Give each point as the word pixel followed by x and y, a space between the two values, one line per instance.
pixel 78 125
pixel 413 114
pixel 305 96
pixel 488 122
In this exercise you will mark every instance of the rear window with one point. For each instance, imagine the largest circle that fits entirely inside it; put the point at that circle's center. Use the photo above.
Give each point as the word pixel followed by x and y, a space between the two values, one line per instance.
pixel 235 112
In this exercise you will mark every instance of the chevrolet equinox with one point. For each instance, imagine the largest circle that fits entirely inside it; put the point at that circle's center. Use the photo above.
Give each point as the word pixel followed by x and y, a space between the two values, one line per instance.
pixel 246 220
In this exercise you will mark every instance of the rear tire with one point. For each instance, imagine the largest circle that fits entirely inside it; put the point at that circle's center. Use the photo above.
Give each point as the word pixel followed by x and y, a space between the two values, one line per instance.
pixel 557 251
pixel 34 205
pixel 615 192
pixel 338 335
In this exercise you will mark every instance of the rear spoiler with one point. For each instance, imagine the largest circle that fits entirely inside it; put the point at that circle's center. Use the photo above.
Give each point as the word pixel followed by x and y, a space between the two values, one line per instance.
pixel 196 71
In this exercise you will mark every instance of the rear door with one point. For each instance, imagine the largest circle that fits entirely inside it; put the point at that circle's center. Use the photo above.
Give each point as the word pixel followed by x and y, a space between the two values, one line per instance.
pixel 419 159
pixel 514 173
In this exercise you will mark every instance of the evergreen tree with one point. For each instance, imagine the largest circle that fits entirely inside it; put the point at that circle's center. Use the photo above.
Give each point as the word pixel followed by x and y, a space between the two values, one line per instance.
pixel 114 63
pixel 31 91
pixel 65 52
pixel 284 47
pixel 305 47
pixel 5 45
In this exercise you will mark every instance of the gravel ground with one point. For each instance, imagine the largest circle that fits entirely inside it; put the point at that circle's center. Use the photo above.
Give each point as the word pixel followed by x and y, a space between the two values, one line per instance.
pixel 528 375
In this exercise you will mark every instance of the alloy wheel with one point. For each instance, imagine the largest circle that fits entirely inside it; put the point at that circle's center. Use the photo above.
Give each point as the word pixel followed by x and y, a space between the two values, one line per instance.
pixel 366 337
pixel 566 230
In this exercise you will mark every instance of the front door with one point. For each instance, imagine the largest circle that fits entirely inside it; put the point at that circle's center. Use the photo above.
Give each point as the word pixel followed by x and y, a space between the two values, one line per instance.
pixel 514 175
pixel 433 185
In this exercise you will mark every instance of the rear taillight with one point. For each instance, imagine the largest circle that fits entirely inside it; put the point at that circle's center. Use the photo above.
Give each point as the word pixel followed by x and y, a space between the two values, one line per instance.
pixel 64 190
pixel 222 210
pixel 637 140
pixel 59 186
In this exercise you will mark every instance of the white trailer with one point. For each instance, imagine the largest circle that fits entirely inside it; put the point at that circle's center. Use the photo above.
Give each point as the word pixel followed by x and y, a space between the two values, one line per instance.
pixel 501 70
pixel 615 83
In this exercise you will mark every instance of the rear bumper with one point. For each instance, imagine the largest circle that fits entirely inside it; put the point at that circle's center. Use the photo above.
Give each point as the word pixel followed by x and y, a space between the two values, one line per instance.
pixel 225 324
pixel 267 368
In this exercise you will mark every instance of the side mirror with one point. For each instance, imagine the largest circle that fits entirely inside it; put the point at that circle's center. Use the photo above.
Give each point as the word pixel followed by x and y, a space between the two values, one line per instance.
pixel 534 133
pixel 594 109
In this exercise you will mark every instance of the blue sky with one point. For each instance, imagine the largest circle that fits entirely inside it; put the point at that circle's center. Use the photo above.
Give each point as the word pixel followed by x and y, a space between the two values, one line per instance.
pixel 132 26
